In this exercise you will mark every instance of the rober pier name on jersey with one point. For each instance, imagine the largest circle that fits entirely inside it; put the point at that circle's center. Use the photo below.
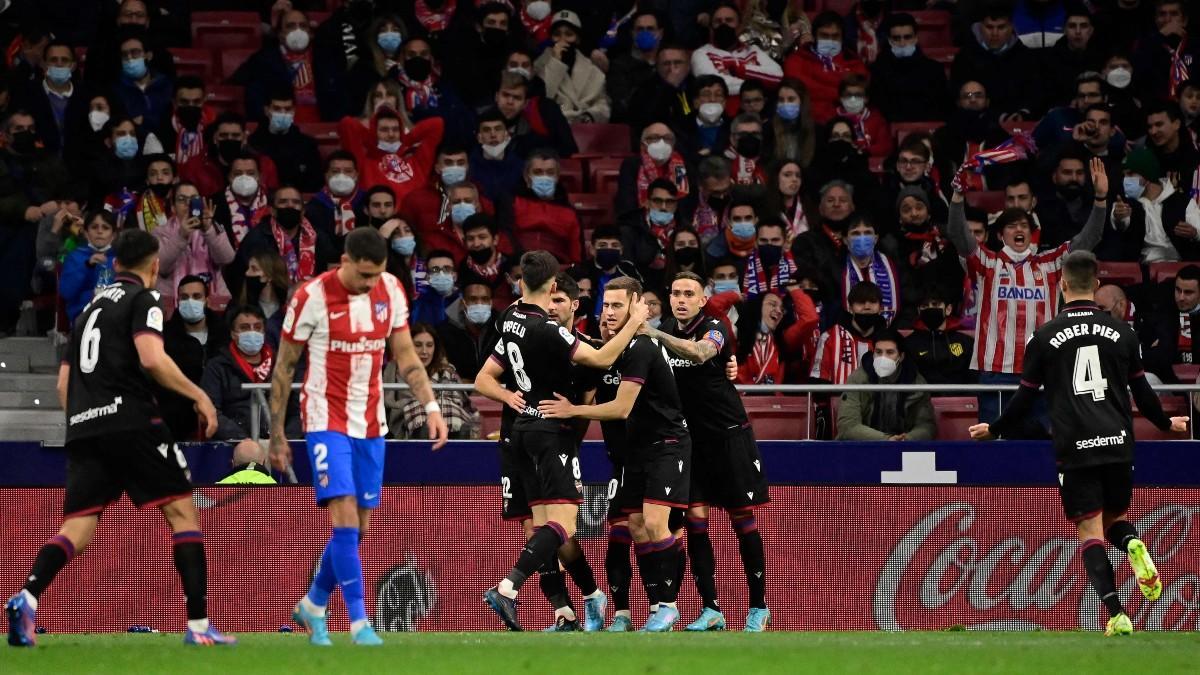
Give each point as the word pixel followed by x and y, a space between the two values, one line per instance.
pixel 1077 330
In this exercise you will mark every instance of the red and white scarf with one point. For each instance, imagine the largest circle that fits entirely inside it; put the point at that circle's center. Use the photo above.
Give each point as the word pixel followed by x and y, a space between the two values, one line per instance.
pixel 756 281
pixel 434 22
pixel 302 78
pixel 343 211
pixel 662 234
pixel 538 30
pixel 707 222
pixel 239 223
pixel 188 144
pixel 1179 68
pixel 868 45
pixel 257 374
pixel 674 170
pixel 302 263
pixel 417 94
pixel 797 221
pixel 763 356
pixel 858 122
pixel 745 170
pixel 882 273
pixel 489 271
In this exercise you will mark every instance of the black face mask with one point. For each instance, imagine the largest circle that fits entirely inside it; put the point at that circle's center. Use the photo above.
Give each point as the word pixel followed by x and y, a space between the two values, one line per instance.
pixel 288 219
pixel 481 255
pixel 418 68
pixel 687 256
pixel 725 37
pixel 837 225
pixel 494 37
pixel 840 152
pixel 24 142
pixel 568 56
pixel 254 288
pixel 718 204
pixel 770 254
pixel 586 305
pixel 228 150
pixel 1071 191
pixel 189 116
pixel 160 190
pixel 749 146
pixel 869 323
pixel 932 317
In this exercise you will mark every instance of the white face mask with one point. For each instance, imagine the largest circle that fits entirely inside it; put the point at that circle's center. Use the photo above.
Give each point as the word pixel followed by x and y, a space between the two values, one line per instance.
pixel 885 367
pixel 496 151
pixel 244 186
pixel 1016 256
pixel 97 119
pixel 296 40
pixel 711 112
pixel 389 146
pixel 1119 77
pixel 659 151
pixel 341 185
pixel 521 71
pixel 538 10
pixel 854 104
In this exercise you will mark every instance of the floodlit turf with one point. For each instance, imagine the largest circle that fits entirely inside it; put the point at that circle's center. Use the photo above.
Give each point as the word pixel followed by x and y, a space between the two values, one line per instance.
pixel 726 653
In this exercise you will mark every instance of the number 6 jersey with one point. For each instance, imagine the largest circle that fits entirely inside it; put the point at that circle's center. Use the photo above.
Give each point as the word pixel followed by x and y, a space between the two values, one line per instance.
pixel 536 352
pixel 107 389
pixel 1086 359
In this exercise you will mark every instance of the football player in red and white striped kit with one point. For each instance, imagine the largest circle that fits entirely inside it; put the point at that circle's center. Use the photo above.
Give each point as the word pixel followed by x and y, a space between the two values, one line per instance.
pixel 1018 286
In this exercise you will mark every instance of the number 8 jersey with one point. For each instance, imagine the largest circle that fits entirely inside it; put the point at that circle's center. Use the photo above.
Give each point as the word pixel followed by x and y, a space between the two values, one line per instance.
pixel 1085 359
pixel 537 353
pixel 107 390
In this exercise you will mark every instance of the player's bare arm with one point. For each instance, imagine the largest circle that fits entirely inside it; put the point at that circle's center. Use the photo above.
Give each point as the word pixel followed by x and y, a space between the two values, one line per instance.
pixel 698 351
pixel 60 387
pixel 281 388
pixel 607 355
pixel 414 374
pixel 487 383
pixel 616 409
pixel 164 371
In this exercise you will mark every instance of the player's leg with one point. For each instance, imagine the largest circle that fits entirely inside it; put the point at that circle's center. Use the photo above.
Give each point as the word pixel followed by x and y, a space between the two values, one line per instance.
pixel 641 541
pixel 699 546
pixel 553 584
pixel 747 489
pixel 658 558
pixel 618 571
pixel 366 466
pixel 1118 493
pixel 575 564
pixel 74 534
pixel 191 563
pixel 1082 498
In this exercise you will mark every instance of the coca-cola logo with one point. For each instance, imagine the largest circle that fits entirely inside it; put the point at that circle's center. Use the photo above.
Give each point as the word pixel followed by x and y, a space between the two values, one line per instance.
pixel 1024 581
pixel 403 596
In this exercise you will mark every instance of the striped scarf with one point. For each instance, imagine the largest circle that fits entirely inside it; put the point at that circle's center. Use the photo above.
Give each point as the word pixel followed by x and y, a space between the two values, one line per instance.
pixel 343 210
pixel 763 357
pixel 302 78
pixel 434 22
pixel 756 281
pixel 745 170
pixel 1179 68
pixel 797 221
pixel 242 218
pixel 882 273
pixel 301 260
pixel 859 124
pixel 674 170
pixel 417 95
pixel 188 144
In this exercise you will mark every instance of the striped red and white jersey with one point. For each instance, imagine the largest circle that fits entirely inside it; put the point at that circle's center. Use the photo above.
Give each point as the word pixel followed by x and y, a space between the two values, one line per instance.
pixel 347 336
pixel 839 353
pixel 1013 300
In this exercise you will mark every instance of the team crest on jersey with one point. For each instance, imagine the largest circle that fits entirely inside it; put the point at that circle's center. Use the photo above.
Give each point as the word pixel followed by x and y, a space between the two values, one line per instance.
pixel 956 348
pixel 323 480
pixel 381 311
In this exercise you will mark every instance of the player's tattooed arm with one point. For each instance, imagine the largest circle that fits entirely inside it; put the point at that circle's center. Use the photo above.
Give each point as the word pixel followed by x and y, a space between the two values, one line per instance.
pixel 699 351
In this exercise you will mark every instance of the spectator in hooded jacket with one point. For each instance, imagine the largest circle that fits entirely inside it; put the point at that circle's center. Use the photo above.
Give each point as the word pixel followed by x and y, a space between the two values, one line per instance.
pixel 886 415
pixel 907 85
pixel 540 216
pixel 822 63
pixel 391 154
pixel 572 81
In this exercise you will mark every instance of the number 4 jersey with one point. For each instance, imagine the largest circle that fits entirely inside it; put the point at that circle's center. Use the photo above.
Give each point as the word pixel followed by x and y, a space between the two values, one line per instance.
pixel 1085 359
pixel 107 389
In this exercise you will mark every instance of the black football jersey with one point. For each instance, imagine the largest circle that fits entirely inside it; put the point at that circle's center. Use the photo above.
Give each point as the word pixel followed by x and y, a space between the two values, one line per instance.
pixel 536 354
pixel 107 390
pixel 657 414
pixel 1085 358
pixel 710 401
pixel 615 440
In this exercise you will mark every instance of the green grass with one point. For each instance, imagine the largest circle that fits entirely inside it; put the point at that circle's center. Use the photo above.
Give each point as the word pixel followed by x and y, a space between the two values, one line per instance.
pixel 725 653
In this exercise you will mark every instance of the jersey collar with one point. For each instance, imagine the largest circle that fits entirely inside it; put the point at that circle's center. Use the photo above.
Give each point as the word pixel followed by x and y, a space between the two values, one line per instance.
pixel 129 279
pixel 691 326
pixel 1081 304
pixel 529 308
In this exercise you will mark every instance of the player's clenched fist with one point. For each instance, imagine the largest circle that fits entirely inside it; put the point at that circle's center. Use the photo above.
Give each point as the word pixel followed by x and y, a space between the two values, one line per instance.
pixel 1179 424
pixel 981 432
pixel 281 453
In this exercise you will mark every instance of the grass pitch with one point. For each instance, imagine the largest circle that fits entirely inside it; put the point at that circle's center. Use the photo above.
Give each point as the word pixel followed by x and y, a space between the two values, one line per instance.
pixel 726 653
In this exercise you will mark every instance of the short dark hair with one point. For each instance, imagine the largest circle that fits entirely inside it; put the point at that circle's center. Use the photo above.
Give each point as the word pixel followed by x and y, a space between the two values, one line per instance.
pixel 705 81
pixel 59 43
pixel 439 253
pixel 663 184
pixel 538 269
pixel 606 232
pixel 828 18
pixel 365 243
pixel 1079 271
pixel 689 276
pixel 1070 153
pixel 864 291
pixel 889 335
pixel 189 82
pixel 250 308
pixel 451 148
pixel 479 221
pixel 280 92
pixel 1102 107
pixel 192 279
pixel 385 189
pixel 567 284
pixel 134 248
pixel 492 114
pixel 900 19
pixel 998 9
pixel 1171 110
pixel 1188 273
pixel 628 284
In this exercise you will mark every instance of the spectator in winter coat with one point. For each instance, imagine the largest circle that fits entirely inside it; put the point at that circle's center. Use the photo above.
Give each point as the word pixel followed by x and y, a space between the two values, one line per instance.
pixel 340 206
pixel 496 166
pixel 144 92
pixel 822 64
pixel 88 267
pixel 192 335
pixel 181 135
pixel 540 216
pixel 632 69
pixel 907 85
pixel 53 99
pixel 279 137
pixel 572 81
pixel 437 211
pixel 666 97
pixel 941 354
pixel 1006 68
pixel 406 415
pixel 192 245
pixel 468 334
pixel 225 140
pixel 886 415
pixel 290 59
pixel 533 121
pixel 872 135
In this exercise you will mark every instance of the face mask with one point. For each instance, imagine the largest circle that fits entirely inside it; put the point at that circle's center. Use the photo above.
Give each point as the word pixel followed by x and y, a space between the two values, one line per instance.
pixel 521 71
pixel 788 111
pixel 254 289
pixel 494 37
pixel 659 151
pixel 160 190
pixel 134 69
pixel 862 245
pixel 538 10
pixel 460 212
pixel 496 150
pixel 725 37
pixel 250 342
pixel 655 322
pixel 661 218
pixel 59 75
pixel 1119 77
pixel 341 184
pixel 228 150
pixel 1134 187
pixel 607 258
pixel 481 255
pixel 389 41
pixel 885 367
pixel 244 186
pixel 24 142
pixel 389 146
pixel 717 204
pixel 742 229
pixel 418 68
pixel 288 219
pixel 281 122
pixel 479 314
pixel 97 119
pixel 404 245
pixel 645 40
pixel 905 51
pixel 711 112
pixel 853 104
pixel 442 282
pixel 932 317
pixel 516 288
pixel 296 40
pixel 191 310
pixel 687 256
pixel 543 186
pixel 126 147
pixel 829 48
pixel 189 116
pixel 868 323
pixel 453 174
pixel 749 146
pixel 1014 255
pixel 724 285
pixel 770 254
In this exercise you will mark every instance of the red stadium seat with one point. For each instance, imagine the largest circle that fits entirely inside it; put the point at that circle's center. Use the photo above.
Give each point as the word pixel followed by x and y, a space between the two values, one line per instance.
pixel 901 130
pixel 954 415
pixel 875 165
pixel 489 415
pixel 778 417
pixel 989 200
pixel 594 210
pixel 843 7
pixel 226 98
pixel 943 55
pixel 1019 127
pixel 1165 271
pixel 231 59
pixel 226 30
pixel 603 174
pixel 1120 273
pixel 326 134
pixel 933 28
pixel 601 140
pixel 570 174
pixel 1187 372
pixel 191 61
pixel 1173 406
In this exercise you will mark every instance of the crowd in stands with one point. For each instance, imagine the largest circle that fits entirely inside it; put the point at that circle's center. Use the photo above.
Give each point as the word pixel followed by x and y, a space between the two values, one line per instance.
pixel 877 191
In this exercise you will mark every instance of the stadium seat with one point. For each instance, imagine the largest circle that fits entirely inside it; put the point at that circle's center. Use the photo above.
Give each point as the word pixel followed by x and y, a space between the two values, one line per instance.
pixel 570 174
pixel 226 30
pixel 843 7
pixel 875 165
pixel 1173 406
pixel 988 200
pixel 943 55
pixel 489 415
pixel 1187 372
pixel 1014 128
pixel 191 61
pixel 226 98
pixel 933 28
pixel 1165 271
pixel 231 60
pixel 901 130
pixel 601 140
pixel 954 415
pixel 778 417
pixel 1120 273
pixel 593 209
pixel 603 174
pixel 326 134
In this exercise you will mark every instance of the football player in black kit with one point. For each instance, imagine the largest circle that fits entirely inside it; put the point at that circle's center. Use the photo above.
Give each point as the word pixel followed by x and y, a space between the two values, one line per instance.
pixel 116 440
pixel 1088 361
pixel 538 352
pixel 727 468
pixel 656 473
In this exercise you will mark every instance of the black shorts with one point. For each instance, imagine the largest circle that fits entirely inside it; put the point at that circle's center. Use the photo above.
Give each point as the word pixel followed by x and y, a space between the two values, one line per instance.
pixel 145 464
pixel 514 505
pixel 614 495
pixel 548 465
pixel 1090 491
pixel 659 474
pixel 728 472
